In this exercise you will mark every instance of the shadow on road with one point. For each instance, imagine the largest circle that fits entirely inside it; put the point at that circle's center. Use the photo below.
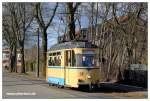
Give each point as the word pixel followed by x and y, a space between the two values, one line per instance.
pixel 113 88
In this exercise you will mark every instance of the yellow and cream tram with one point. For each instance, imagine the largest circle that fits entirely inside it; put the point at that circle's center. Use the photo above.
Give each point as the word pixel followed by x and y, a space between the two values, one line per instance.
pixel 73 64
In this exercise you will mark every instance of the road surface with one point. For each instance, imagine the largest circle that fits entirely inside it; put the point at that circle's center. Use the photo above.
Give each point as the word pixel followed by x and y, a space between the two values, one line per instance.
pixel 24 88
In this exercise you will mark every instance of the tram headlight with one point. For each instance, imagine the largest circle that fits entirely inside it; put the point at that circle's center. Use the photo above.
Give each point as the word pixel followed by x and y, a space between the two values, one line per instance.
pixel 89 76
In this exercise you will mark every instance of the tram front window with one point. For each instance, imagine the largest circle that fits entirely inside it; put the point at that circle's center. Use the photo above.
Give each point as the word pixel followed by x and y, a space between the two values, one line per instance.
pixel 88 60
pixel 85 60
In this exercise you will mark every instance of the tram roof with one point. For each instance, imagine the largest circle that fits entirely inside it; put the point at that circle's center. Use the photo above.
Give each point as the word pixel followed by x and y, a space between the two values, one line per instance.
pixel 74 44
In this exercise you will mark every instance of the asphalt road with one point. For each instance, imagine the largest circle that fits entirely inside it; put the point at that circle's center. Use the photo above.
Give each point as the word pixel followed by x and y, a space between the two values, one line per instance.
pixel 16 87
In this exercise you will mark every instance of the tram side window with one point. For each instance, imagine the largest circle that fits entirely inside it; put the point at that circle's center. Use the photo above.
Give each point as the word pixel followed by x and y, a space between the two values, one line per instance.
pixel 55 59
pixel 58 60
pixel 70 58
pixel 50 62
pixel 50 59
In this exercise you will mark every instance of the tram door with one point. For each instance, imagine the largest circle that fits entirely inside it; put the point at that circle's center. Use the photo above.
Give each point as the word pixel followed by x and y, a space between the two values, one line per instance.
pixel 69 62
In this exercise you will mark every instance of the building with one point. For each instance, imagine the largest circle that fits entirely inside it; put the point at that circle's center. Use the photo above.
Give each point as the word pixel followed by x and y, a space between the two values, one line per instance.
pixel 6 58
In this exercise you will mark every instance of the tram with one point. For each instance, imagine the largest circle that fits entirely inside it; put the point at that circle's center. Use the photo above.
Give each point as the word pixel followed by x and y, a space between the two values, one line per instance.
pixel 73 64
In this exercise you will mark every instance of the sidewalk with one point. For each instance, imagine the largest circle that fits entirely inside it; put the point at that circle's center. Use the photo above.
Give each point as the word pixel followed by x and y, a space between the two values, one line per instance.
pixel 29 75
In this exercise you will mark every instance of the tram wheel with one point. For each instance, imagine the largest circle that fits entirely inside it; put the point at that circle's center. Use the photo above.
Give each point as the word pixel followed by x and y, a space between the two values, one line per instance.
pixel 49 84
pixel 60 86
pixel 91 88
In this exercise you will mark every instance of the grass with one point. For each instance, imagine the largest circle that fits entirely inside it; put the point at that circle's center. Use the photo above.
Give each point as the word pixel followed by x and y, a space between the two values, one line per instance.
pixel 23 73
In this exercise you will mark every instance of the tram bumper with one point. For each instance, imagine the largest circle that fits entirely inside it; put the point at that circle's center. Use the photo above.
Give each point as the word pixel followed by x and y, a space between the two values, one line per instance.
pixel 87 85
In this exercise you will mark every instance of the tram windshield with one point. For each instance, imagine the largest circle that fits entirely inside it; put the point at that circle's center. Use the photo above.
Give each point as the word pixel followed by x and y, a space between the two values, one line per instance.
pixel 86 59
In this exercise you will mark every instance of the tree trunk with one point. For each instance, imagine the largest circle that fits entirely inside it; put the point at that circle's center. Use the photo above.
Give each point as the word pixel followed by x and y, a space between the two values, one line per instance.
pixel 71 27
pixel 22 57
pixel 44 46
pixel 71 23
pixel 10 60
pixel 14 59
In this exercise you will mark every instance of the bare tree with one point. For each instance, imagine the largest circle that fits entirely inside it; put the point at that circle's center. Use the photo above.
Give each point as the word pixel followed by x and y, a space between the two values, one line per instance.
pixel 9 36
pixel 43 27
pixel 10 40
pixel 21 19
pixel 71 9
pixel 117 28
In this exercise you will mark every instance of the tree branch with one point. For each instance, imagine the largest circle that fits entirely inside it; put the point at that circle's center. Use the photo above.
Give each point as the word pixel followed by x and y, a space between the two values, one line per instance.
pixel 50 20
